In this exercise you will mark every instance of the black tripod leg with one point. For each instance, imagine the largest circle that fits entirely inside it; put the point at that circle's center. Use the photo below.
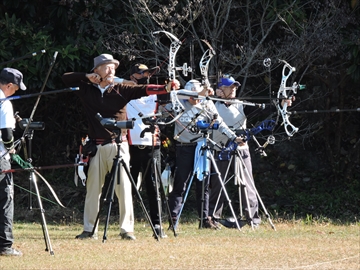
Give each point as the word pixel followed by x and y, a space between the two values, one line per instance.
pixel 156 179
pixel 100 207
pixel 43 223
pixel 155 185
pixel 158 175
pixel 139 197
pixel 115 174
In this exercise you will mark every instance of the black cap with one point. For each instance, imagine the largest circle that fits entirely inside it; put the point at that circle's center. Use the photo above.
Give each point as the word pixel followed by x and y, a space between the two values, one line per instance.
pixel 140 68
pixel 11 75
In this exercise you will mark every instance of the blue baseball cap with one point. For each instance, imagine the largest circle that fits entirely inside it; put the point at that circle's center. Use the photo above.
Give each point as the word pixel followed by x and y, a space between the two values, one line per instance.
pixel 228 81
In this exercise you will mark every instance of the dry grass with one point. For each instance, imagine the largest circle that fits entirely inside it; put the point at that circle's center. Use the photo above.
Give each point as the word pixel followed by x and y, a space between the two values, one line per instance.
pixel 292 246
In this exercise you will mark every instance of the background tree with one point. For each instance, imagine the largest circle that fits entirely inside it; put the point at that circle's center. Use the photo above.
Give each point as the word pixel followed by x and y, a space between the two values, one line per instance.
pixel 319 38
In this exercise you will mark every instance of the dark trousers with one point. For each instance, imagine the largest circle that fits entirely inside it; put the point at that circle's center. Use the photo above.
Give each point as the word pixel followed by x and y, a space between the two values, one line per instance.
pixel 248 181
pixel 6 205
pixel 139 160
pixel 185 156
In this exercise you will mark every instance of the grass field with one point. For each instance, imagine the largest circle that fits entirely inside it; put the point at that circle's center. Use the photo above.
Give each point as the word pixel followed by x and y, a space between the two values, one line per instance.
pixel 294 245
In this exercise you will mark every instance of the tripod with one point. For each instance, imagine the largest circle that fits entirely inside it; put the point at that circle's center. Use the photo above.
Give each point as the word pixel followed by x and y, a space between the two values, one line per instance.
pixel 115 179
pixel 204 155
pixel 241 173
pixel 33 183
pixel 154 165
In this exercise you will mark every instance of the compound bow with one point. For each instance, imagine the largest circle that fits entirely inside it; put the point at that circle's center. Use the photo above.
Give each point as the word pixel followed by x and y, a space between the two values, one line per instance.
pixel 287 92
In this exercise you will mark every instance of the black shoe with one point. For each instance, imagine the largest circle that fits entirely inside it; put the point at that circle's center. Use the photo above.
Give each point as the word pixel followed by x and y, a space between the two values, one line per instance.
pixel 230 222
pixel 172 223
pixel 159 231
pixel 10 252
pixel 87 235
pixel 207 224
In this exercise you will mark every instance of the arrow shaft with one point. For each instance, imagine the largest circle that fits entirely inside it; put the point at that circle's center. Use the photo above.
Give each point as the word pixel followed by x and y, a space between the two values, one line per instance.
pixel 69 89
pixel 21 58
pixel 325 111
pixel 43 168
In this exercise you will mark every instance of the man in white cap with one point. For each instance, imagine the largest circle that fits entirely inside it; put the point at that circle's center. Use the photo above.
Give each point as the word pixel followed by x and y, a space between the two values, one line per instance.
pixel 11 80
pixel 99 94
pixel 188 144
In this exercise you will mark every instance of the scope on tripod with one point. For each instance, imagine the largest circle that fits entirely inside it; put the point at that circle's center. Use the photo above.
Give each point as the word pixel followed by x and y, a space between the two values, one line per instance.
pixel 204 125
pixel 112 124
pixel 23 123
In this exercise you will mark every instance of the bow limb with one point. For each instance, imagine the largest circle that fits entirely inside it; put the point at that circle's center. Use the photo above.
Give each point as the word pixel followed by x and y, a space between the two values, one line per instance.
pixel 174 47
pixel 290 129
pixel 50 188
pixel 204 63
pixel 176 107
pixel 26 165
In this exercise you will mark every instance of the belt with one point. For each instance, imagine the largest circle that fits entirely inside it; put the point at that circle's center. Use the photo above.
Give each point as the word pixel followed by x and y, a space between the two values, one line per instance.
pixel 146 146
pixel 102 141
pixel 185 144
pixel 106 141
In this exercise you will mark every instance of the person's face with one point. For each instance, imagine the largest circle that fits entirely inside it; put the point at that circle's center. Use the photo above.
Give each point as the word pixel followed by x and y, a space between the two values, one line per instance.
pixel 140 77
pixel 194 101
pixel 106 71
pixel 10 89
pixel 229 91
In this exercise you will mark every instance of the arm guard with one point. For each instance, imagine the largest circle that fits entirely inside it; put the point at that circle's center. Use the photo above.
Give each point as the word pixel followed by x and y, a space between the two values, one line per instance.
pixel 154 89
pixel 7 137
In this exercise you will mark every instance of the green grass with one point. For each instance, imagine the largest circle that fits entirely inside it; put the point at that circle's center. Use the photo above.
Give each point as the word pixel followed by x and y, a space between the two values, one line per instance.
pixel 294 245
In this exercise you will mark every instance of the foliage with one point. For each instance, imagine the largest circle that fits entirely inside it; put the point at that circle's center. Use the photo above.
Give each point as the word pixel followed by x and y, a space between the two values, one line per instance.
pixel 319 38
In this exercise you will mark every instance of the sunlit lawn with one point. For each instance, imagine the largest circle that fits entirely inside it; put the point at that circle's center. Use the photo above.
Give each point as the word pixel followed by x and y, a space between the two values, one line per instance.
pixel 293 245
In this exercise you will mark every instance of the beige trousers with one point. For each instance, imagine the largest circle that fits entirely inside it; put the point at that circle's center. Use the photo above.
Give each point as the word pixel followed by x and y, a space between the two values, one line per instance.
pixel 99 166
